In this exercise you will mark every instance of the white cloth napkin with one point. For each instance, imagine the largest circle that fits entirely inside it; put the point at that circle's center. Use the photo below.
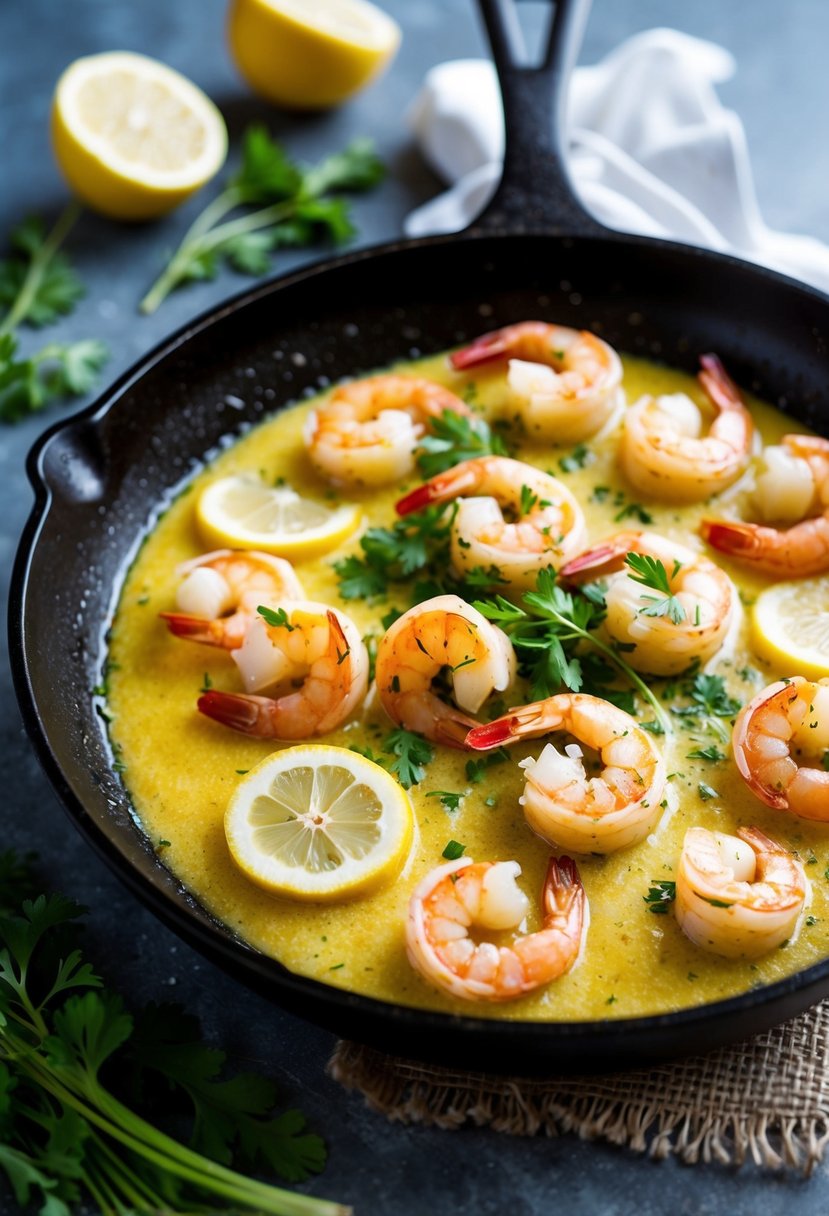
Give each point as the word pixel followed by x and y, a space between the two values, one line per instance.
pixel 652 150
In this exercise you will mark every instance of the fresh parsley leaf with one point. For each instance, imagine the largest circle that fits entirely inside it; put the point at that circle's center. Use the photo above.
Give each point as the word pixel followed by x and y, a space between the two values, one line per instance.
pixel 580 457
pixel 277 618
pixel 449 800
pixel 412 753
pixel 650 572
pixel 39 286
pixel 710 694
pixel 712 753
pixel 419 541
pixel 453 850
pixel 454 438
pixel 661 894
pixel 633 510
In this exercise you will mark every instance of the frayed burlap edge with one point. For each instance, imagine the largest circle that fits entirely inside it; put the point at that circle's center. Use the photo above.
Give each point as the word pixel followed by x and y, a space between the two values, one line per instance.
pixel 765 1100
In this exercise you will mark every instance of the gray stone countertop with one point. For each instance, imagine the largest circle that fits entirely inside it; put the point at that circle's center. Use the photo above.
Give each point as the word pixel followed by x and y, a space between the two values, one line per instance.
pixel 781 90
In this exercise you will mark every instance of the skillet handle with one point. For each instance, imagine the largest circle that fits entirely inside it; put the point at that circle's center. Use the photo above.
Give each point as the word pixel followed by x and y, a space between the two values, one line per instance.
pixel 535 193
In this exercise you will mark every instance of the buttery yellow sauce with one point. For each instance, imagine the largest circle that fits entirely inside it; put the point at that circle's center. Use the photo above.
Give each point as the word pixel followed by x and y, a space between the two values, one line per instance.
pixel 180 768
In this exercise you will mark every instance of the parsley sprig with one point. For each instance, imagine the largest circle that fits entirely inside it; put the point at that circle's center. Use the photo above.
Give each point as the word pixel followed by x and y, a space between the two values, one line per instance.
pixel 709 703
pixel 406 755
pixel 660 896
pixel 37 287
pixel 650 572
pixel 548 631
pixel 286 205
pixel 67 1044
pixel 454 438
pixel 418 543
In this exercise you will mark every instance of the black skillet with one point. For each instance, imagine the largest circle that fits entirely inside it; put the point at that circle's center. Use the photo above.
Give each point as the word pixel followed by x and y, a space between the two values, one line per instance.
pixel 100 478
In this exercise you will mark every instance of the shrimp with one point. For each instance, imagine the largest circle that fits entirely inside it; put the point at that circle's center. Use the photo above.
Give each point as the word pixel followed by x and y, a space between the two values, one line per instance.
pixel 369 430
pixel 548 522
pixel 781 746
pixel 454 897
pixel 565 382
pixel 220 591
pixel 668 631
pixel 310 643
pixel 564 806
pixel 738 896
pixel 443 632
pixel 796 552
pixel 662 452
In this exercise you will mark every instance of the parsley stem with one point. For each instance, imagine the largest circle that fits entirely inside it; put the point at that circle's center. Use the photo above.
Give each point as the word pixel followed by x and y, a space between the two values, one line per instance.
pixel 37 267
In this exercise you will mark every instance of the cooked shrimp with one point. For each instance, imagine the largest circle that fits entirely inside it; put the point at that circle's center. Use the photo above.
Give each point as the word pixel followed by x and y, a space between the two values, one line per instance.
pixel 441 633
pixel 310 643
pixel 453 898
pixel 220 591
pixel 739 896
pixel 663 453
pixel 600 814
pixel 547 522
pixel 369 430
pixel 565 382
pixel 795 552
pixel 781 746
pixel 703 601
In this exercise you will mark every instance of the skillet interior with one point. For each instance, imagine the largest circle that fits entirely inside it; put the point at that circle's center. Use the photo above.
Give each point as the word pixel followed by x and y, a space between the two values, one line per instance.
pixel 101 477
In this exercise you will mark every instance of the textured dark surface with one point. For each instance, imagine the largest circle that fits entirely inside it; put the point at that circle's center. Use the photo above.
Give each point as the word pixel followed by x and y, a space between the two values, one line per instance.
pixel 379 1167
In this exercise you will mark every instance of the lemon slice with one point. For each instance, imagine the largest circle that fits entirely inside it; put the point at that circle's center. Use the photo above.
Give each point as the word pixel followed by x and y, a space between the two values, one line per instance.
pixel 791 626
pixel 243 513
pixel 319 823
pixel 310 54
pixel 133 137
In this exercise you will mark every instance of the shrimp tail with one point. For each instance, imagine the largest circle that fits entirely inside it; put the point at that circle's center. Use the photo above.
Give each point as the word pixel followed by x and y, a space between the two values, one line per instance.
pixel 603 559
pixel 482 350
pixel 493 734
pixel 802 549
pixel 526 720
pixel 442 488
pixel 718 386
pixel 200 629
pixel 453 730
pixel 562 887
pixel 248 714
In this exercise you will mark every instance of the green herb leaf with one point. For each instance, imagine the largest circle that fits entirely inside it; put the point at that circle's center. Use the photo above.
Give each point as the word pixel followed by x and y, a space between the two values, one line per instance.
pixel 579 458
pixel 412 753
pixel 706 792
pixel 277 618
pixel 650 572
pixel 711 753
pixel 661 894
pixel 454 438
pixel 453 850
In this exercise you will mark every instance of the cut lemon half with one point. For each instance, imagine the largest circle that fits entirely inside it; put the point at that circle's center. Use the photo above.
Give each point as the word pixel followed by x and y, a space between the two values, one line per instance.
pixel 791 627
pixel 310 54
pixel 243 513
pixel 132 137
pixel 319 823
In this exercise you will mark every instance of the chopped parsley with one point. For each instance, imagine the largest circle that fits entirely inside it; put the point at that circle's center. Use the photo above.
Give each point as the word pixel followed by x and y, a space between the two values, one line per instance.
pixel 476 768
pixel 454 438
pixel 633 510
pixel 453 850
pixel 411 754
pixel 650 572
pixel 277 618
pixel 711 753
pixel 661 894
pixel 579 458
pixel 706 792
pixel 449 800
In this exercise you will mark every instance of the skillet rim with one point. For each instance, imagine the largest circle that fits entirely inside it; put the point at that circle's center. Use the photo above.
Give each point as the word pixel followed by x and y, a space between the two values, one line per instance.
pixel 181 911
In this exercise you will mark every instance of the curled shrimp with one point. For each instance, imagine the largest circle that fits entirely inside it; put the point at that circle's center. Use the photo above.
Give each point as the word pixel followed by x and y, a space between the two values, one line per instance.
pixel 453 898
pixel 369 430
pixel 738 896
pixel 600 814
pixel 796 552
pixel 302 641
pixel 220 591
pixel 565 382
pixel 547 522
pixel 441 633
pixel 668 632
pixel 781 745
pixel 662 452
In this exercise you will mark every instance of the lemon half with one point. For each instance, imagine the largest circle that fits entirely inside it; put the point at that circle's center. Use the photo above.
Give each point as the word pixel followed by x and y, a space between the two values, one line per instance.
pixel 242 512
pixel 319 823
pixel 310 54
pixel 133 137
pixel 791 626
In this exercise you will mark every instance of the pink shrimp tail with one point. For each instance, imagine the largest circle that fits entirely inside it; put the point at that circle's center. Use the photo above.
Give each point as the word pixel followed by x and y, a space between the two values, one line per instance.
pixel 718 386
pixel 740 539
pixel 563 891
pixel 604 557
pixel 239 711
pixel 482 350
pixel 493 734
pixel 196 629
pixel 454 732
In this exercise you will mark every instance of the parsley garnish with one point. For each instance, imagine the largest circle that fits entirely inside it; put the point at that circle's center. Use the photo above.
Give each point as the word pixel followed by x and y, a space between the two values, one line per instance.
pixel 207 683
pixel 72 1058
pixel 660 895
pixel 37 287
pixel 475 769
pixel 276 618
pixel 711 753
pixel 706 792
pixel 412 753
pixel 650 572
pixel 394 554
pixel 453 438
pixel 453 850
pixel 547 631
pixel 709 701
pixel 287 205
pixel 449 800
pixel 632 510
pixel 528 500
pixel 579 458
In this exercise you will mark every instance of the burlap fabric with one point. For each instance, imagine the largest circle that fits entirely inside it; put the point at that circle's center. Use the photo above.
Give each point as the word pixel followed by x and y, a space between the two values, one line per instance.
pixel 766 1099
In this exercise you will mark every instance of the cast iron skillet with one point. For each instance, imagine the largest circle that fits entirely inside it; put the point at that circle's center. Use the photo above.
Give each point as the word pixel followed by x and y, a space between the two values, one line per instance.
pixel 100 478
